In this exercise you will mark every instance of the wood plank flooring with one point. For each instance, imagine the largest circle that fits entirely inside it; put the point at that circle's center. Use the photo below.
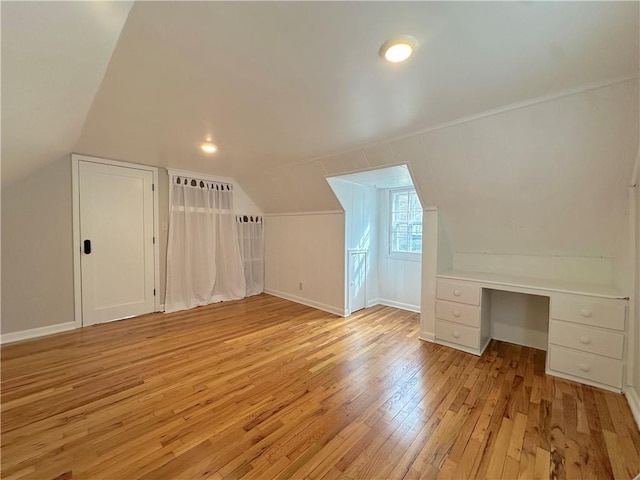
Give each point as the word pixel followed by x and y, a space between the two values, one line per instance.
pixel 264 388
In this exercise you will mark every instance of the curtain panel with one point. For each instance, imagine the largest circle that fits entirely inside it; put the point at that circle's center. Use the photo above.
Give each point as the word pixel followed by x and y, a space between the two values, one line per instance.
pixel 203 256
pixel 250 239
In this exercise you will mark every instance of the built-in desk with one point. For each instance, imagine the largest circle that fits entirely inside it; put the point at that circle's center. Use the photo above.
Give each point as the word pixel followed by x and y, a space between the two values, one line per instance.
pixel 586 329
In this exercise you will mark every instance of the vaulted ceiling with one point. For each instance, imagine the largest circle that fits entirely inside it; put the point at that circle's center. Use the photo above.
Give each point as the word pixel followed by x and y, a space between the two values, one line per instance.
pixel 286 88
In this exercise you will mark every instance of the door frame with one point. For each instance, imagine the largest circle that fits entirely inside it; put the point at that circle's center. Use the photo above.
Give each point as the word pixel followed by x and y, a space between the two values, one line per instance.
pixel 75 188
pixel 357 251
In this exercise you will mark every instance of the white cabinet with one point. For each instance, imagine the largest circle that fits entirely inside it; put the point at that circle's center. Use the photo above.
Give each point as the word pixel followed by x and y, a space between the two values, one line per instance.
pixel 586 324
pixel 459 307
pixel 586 339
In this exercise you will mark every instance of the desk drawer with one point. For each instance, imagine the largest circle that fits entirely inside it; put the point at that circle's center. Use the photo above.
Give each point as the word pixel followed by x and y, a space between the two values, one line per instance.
pixel 458 313
pixel 458 292
pixel 587 339
pixel 459 334
pixel 584 365
pixel 599 312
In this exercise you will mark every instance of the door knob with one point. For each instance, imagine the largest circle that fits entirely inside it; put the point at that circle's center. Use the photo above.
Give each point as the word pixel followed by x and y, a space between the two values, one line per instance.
pixel 456 293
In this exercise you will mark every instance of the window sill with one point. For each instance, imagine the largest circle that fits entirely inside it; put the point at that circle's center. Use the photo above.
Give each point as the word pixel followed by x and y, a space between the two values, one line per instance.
pixel 409 257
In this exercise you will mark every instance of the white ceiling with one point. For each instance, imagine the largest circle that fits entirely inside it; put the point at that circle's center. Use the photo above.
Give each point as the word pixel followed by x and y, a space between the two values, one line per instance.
pixel 390 177
pixel 292 91
pixel 54 55
pixel 277 83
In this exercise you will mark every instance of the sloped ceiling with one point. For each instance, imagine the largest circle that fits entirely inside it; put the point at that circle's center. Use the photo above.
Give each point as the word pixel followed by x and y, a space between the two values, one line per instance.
pixel 285 87
pixel 54 55
pixel 277 83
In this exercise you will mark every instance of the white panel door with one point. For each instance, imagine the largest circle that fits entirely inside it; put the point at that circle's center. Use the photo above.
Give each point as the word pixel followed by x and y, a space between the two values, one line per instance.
pixel 357 281
pixel 116 241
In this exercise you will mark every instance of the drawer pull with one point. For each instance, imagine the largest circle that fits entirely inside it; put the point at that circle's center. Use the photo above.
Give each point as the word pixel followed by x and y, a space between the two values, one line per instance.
pixel 585 312
pixel 456 293
pixel 584 367
pixel 585 340
pixel 455 334
pixel 456 313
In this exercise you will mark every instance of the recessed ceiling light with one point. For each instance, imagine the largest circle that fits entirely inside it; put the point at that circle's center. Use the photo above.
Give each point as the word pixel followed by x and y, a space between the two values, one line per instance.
pixel 209 147
pixel 398 49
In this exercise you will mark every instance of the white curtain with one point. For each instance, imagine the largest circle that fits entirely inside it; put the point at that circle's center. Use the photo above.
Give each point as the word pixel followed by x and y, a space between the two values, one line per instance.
pixel 203 257
pixel 252 252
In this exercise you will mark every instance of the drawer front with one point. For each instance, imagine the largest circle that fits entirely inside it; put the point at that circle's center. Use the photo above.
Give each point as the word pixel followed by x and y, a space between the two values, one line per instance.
pixel 584 365
pixel 458 313
pixel 587 339
pixel 458 292
pixel 459 334
pixel 599 312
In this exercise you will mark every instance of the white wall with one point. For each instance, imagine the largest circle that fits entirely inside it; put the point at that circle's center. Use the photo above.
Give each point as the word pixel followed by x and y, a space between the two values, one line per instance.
pixel 519 318
pixel 633 350
pixel 591 270
pixel 399 279
pixel 539 178
pixel 37 261
pixel 360 205
pixel 434 250
pixel 305 259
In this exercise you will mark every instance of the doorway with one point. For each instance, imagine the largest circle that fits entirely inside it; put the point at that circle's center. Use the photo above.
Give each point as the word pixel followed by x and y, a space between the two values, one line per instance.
pixel 115 248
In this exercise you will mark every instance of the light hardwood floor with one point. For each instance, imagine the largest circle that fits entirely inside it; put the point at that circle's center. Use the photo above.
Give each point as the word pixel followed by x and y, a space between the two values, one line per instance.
pixel 264 388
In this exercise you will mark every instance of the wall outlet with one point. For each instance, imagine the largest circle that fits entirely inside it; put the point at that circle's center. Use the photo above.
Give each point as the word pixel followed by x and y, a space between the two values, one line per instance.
pixel 300 286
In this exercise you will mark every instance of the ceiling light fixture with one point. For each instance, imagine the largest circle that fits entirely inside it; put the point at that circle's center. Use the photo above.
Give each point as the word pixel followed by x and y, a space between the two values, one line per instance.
pixel 208 146
pixel 398 49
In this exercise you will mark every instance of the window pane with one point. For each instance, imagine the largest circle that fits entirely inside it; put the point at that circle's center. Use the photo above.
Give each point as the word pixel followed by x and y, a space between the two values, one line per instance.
pixel 414 203
pixel 400 202
pixel 397 218
pixel 405 228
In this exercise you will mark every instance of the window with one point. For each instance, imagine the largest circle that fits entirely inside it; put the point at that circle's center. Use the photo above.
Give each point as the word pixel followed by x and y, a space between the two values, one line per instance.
pixel 405 222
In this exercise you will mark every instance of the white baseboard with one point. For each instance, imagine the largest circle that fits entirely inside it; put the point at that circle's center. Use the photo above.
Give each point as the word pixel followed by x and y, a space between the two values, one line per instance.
pixel 427 336
pixel 309 303
pixel 373 302
pixel 400 305
pixel 634 403
pixel 161 307
pixel 36 332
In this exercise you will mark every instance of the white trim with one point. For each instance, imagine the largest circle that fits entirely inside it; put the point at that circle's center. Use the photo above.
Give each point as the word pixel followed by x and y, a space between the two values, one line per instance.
pixel 632 323
pixel 36 332
pixel 309 303
pixel 174 172
pixel 470 118
pixel 161 307
pixel 400 305
pixel 373 302
pixel 462 348
pixel 156 244
pixel 293 214
pixel 75 188
pixel 584 381
pixel 636 170
pixel 634 403
pixel 77 274
pixel 427 337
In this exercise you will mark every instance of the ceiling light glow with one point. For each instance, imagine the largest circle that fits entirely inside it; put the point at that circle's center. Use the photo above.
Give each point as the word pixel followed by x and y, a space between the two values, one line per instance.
pixel 398 49
pixel 209 147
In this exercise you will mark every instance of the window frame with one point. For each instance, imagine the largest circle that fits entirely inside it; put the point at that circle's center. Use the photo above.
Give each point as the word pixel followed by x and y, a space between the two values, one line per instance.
pixel 400 254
